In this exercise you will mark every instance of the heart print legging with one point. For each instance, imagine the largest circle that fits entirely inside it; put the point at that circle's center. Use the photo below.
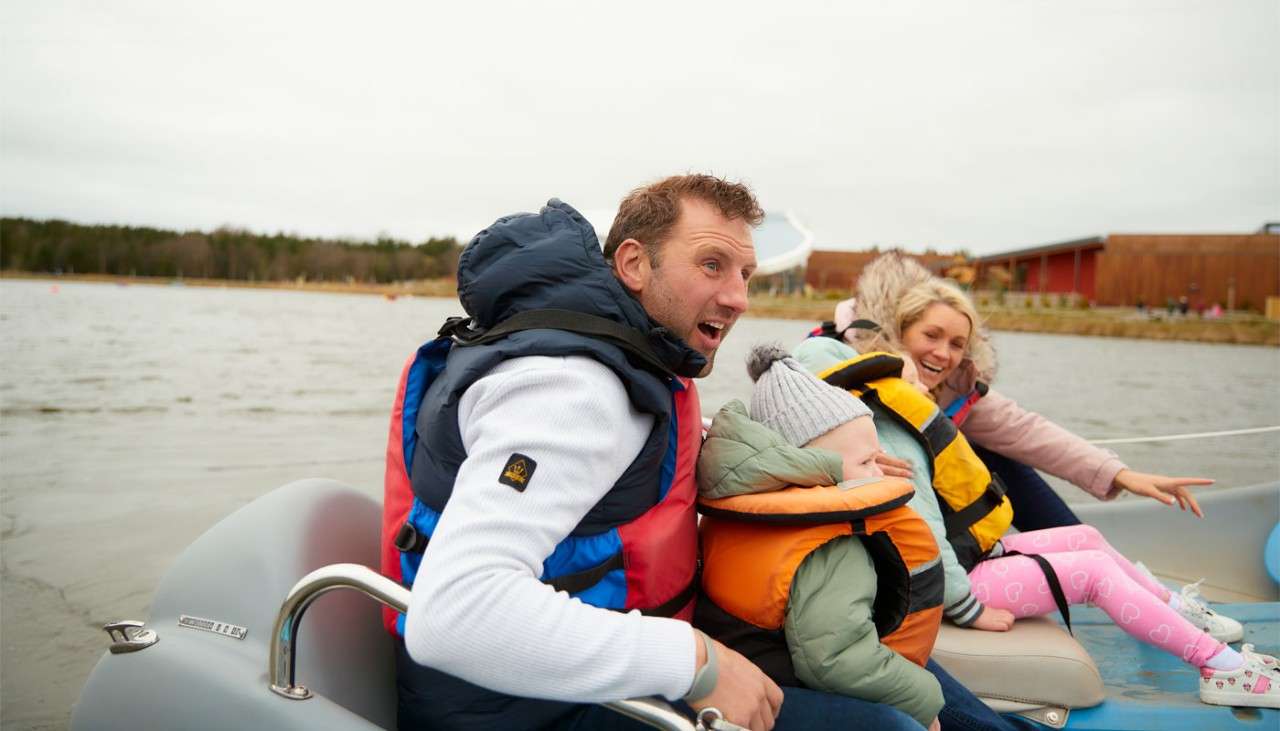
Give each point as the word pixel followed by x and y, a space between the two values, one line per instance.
pixel 1090 570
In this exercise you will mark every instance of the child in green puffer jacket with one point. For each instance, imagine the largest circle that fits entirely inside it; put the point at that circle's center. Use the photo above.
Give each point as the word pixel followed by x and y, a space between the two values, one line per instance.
pixel 801 431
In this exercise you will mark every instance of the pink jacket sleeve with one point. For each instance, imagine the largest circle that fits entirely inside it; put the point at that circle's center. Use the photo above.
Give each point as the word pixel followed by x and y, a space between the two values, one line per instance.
pixel 997 423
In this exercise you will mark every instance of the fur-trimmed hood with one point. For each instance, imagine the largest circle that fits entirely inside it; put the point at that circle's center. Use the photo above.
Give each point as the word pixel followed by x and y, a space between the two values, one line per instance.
pixel 880 287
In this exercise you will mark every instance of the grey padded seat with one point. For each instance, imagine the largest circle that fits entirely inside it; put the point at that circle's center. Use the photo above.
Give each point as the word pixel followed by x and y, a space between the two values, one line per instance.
pixel 1035 669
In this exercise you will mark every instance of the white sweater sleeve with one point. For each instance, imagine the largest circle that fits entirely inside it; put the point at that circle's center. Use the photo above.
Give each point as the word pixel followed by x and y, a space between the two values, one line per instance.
pixel 478 610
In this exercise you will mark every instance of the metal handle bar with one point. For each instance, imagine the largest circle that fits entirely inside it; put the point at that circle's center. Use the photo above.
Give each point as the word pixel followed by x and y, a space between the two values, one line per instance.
pixel 284 645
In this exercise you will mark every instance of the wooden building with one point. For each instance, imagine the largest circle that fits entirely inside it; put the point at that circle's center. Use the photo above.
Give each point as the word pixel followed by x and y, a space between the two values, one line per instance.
pixel 839 270
pixel 1236 271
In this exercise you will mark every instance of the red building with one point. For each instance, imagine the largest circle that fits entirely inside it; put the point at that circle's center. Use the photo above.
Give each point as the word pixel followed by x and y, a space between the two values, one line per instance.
pixel 1069 266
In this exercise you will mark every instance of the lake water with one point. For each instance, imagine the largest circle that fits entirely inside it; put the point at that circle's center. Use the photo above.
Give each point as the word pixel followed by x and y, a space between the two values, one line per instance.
pixel 133 418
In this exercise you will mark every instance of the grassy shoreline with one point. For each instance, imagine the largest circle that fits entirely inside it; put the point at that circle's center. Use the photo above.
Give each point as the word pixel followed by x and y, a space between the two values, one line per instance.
pixel 1112 322
pixel 418 288
pixel 1104 322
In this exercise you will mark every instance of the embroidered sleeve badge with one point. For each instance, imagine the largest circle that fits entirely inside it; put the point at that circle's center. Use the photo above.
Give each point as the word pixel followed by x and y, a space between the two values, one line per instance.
pixel 518 472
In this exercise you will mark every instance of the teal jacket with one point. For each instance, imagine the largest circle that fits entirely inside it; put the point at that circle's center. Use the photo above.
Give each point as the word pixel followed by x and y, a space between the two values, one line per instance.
pixel 959 604
pixel 830 634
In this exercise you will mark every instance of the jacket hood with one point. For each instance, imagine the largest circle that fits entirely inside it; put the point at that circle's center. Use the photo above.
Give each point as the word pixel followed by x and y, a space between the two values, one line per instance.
pixel 553 260
pixel 741 456
pixel 880 287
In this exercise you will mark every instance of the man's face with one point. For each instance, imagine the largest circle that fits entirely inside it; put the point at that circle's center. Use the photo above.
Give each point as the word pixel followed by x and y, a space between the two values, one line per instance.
pixel 698 290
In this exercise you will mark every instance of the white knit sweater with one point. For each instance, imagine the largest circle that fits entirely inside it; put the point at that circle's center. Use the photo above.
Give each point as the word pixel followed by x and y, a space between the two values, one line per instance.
pixel 478 610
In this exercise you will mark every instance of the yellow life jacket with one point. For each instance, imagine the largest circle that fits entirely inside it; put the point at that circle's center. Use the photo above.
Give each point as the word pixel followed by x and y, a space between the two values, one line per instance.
pixel 752 546
pixel 975 509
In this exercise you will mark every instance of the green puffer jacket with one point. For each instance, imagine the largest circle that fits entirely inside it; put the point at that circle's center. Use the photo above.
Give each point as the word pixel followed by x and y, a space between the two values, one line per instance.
pixel 831 637
pixel 959 604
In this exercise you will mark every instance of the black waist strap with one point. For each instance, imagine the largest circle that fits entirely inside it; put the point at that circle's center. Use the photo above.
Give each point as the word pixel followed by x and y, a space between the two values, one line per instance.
pixel 585 579
pixel 672 606
pixel 958 522
pixel 1055 586
pixel 409 540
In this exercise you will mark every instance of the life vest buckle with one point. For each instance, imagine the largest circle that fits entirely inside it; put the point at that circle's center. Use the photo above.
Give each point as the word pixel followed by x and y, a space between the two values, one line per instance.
pixel 461 329
pixel 409 540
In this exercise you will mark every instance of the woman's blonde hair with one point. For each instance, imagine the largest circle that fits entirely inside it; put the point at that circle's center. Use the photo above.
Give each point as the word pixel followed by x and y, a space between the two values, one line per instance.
pixel 894 292
pixel 911 307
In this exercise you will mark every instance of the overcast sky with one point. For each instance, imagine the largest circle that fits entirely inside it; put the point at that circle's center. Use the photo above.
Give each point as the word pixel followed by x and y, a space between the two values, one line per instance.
pixel 983 125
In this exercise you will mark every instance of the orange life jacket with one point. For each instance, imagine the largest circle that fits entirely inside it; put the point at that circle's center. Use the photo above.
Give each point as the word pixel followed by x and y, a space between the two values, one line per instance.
pixel 752 546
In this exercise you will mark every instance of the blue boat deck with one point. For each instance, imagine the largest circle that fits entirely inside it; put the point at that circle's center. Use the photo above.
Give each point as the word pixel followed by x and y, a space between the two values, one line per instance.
pixel 1150 689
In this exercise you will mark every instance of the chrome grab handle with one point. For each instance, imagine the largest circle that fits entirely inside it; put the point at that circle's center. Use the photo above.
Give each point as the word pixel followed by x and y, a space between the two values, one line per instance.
pixel 284 647
pixel 284 643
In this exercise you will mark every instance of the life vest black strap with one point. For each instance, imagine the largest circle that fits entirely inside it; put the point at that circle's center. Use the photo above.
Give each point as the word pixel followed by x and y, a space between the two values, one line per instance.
pixel 672 606
pixel 463 331
pixel 409 540
pixel 958 522
pixel 940 432
pixel 926 587
pixel 828 328
pixel 583 580
pixel 587 578
pixel 855 376
pixel 1055 586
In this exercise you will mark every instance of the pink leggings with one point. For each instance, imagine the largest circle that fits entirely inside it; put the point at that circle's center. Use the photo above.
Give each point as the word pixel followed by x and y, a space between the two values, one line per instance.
pixel 1090 570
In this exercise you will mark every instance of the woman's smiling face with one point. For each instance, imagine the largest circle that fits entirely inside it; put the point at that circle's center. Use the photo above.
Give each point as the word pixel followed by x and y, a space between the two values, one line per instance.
pixel 937 342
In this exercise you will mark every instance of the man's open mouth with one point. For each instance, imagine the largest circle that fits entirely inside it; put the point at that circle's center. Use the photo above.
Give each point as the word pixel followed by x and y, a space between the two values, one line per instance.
pixel 712 329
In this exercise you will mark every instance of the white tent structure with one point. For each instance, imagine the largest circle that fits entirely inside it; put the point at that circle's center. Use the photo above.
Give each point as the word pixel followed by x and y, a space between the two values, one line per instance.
pixel 782 243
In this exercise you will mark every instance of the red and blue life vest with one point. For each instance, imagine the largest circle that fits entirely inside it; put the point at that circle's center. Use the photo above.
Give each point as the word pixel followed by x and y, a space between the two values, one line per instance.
pixel 636 549
pixel 538 285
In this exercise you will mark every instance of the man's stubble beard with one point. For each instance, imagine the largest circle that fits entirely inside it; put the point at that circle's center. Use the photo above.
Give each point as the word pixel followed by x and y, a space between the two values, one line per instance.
pixel 711 362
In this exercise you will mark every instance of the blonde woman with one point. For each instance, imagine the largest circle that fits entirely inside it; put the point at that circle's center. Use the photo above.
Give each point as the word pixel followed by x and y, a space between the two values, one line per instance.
pixel 900 307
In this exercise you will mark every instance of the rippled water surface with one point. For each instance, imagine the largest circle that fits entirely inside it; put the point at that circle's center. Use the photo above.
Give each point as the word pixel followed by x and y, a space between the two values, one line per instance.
pixel 133 418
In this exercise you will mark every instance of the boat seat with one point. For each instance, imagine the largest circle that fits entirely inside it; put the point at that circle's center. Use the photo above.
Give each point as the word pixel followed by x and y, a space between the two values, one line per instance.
pixel 1035 669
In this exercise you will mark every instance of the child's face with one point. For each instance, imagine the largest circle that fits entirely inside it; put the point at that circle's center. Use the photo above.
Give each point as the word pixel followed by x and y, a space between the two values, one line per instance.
pixel 856 443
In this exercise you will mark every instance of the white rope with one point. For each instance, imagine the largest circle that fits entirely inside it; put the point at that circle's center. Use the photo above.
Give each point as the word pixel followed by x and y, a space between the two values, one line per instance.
pixel 1178 437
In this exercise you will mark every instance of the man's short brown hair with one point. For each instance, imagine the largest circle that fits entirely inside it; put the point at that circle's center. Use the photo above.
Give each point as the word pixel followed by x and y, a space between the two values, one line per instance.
pixel 648 212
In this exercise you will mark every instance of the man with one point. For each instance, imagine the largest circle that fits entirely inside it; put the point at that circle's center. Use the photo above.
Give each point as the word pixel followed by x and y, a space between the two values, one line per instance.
pixel 540 475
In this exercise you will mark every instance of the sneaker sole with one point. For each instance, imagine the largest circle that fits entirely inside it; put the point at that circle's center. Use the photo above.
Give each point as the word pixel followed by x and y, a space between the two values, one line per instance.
pixel 1240 700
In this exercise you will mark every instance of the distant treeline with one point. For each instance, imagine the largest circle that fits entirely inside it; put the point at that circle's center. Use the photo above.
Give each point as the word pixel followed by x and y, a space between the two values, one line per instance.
pixel 227 253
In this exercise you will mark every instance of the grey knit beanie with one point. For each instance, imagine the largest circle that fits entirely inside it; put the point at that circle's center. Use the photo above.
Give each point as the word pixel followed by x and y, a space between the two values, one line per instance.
pixel 792 401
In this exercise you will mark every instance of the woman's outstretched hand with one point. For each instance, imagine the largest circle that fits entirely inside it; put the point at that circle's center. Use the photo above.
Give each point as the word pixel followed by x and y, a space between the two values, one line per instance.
pixel 892 466
pixel 1167 490
pixel 994 620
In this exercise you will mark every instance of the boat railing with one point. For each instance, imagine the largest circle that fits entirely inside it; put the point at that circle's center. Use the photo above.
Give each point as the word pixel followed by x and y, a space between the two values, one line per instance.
pixel 284 643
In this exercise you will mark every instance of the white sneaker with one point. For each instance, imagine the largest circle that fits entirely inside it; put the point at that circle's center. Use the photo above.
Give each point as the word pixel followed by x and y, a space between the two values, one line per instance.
pixel 1143 568
pixel 1219 627
pixel 1256 683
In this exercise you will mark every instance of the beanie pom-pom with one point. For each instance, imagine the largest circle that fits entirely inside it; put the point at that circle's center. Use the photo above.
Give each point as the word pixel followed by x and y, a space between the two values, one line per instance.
pixel 762 357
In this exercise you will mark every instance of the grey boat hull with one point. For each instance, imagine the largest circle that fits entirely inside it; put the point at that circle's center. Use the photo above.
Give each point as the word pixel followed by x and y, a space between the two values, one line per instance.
pixel 241 571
